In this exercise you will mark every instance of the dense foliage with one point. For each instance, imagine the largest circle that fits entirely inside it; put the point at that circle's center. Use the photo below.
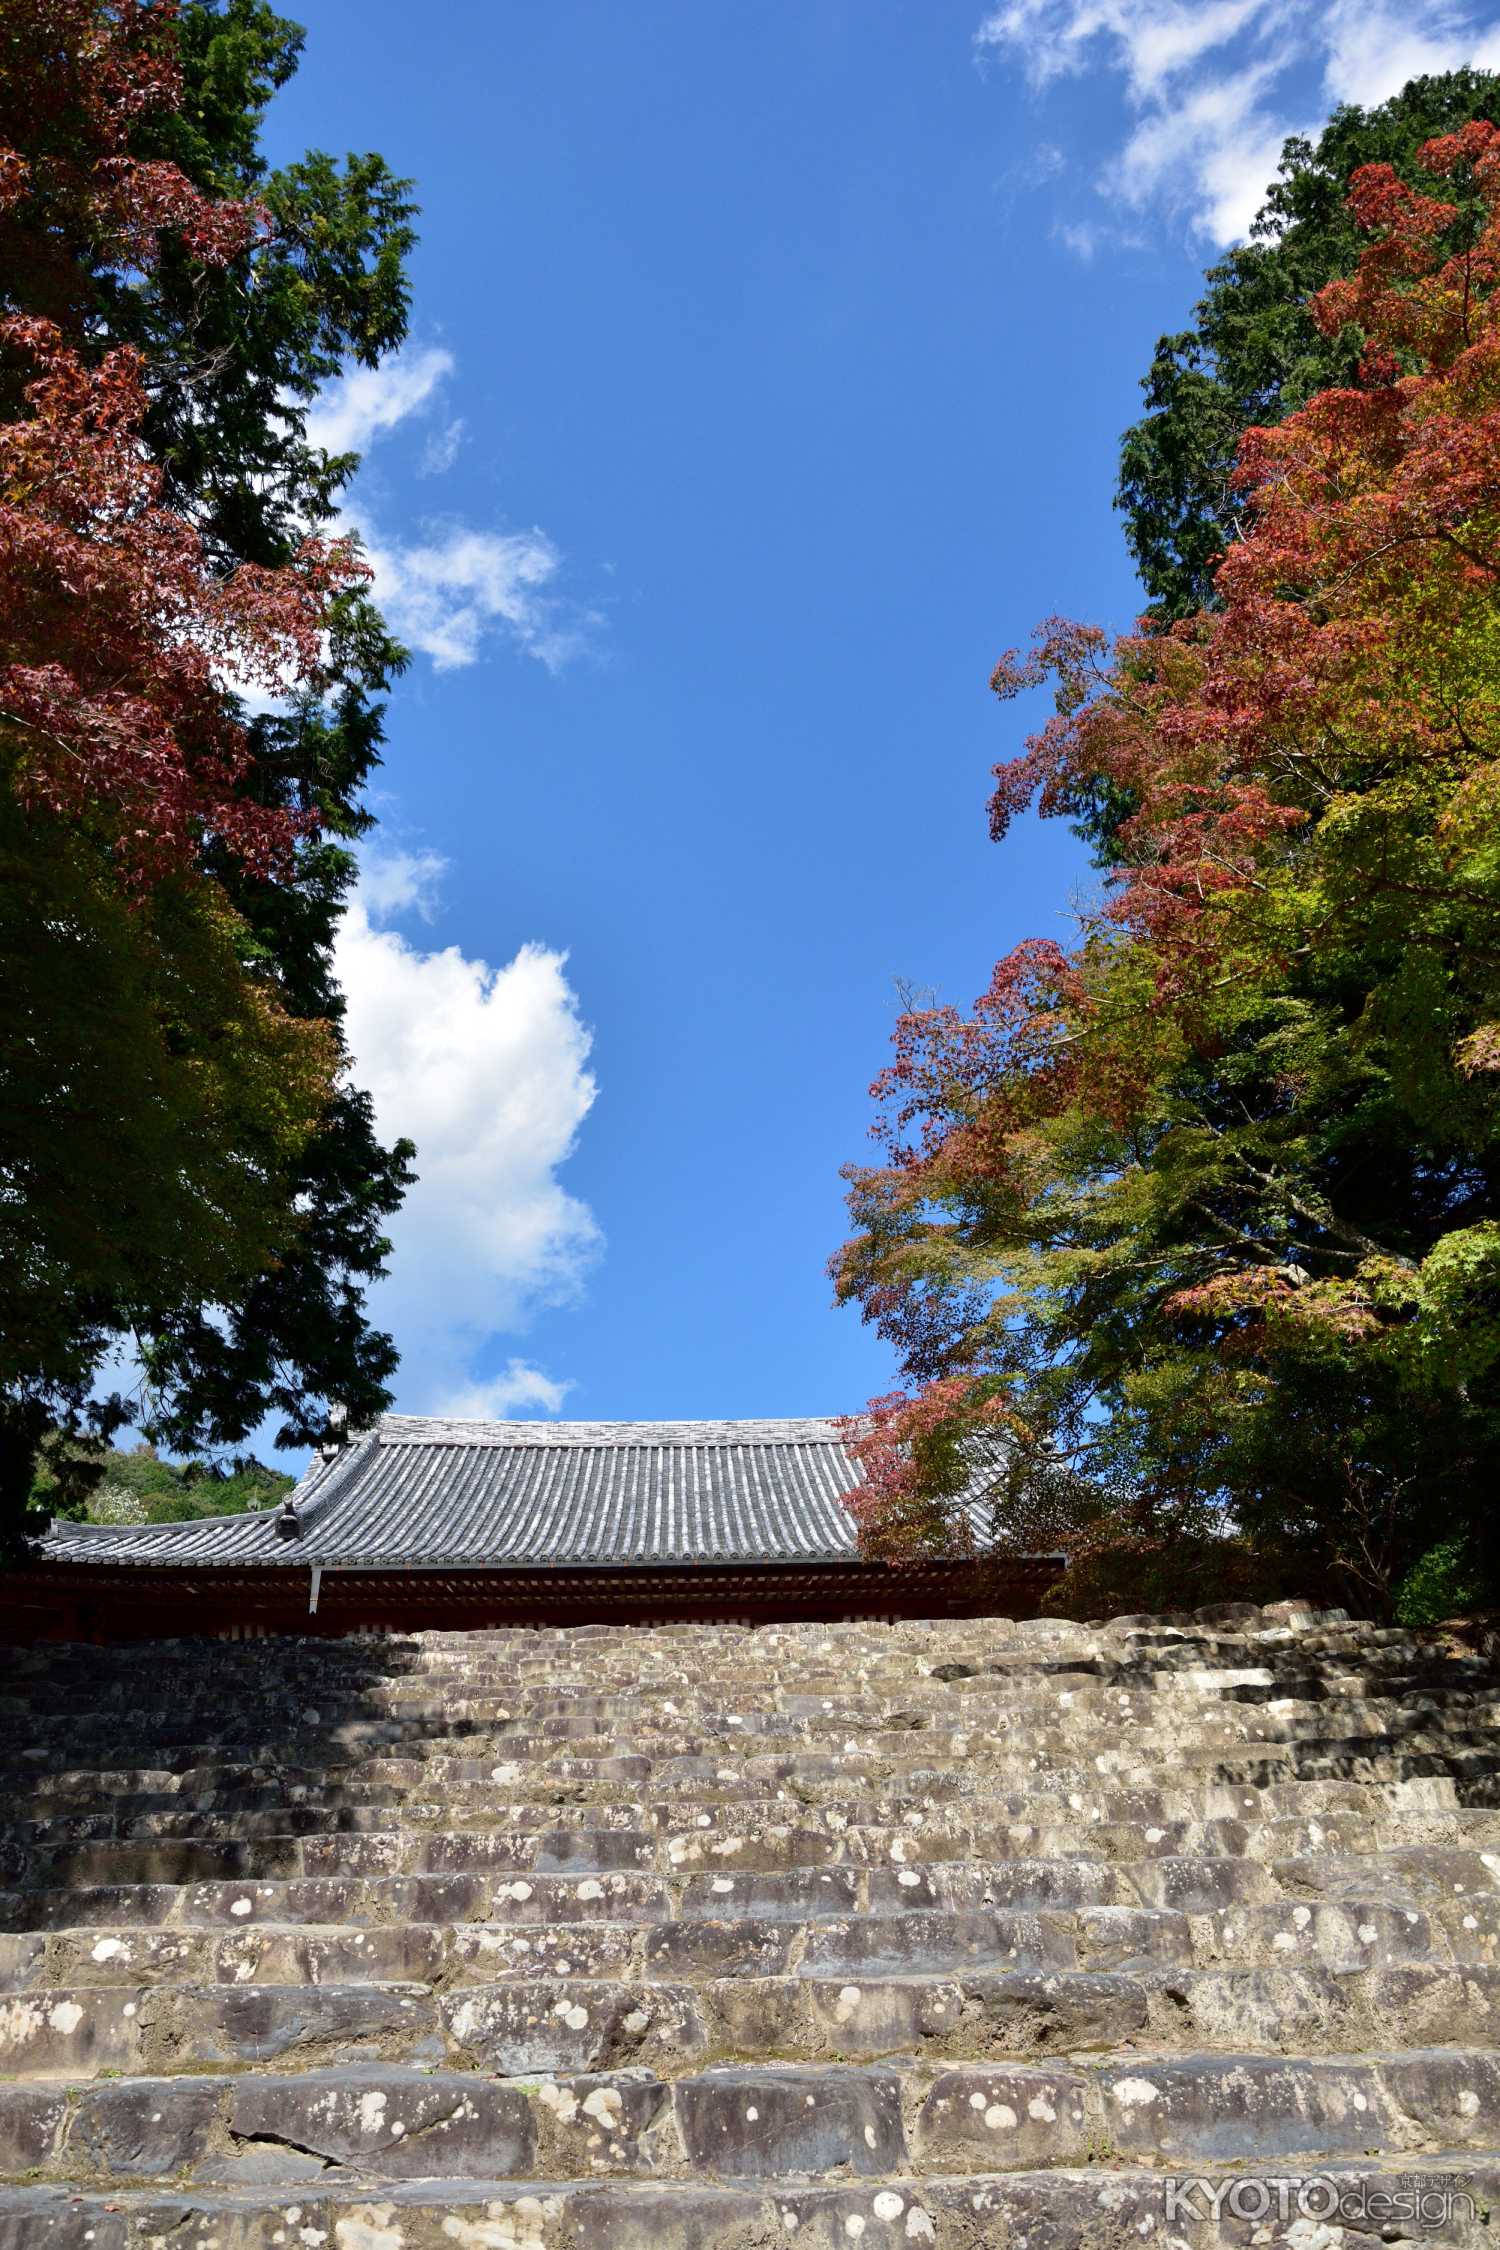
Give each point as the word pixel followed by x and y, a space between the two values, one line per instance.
pixel 1207 1206
pixel 1450 1580
pixel 186 1177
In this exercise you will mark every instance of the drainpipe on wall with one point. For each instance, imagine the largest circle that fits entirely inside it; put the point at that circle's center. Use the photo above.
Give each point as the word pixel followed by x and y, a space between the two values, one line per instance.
pixel 312 1591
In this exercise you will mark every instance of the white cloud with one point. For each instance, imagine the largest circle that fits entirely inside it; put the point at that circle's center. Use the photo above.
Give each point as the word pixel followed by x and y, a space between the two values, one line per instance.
pixel 1087 237
pixel 367 402
pixel 446 592
pixel 1083 238
pixel 520 1389
pixel 1215 135
pixel 1374 47
pixel 1207 81
pixel 487 1071
pixel 442 448
pixel 446 588
pixel 393 881
pixel 1150 40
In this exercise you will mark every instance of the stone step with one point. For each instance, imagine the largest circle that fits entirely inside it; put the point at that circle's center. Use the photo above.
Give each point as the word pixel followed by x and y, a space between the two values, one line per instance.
pixel 1113 2207
pixel 107 1936
pixel 997 1728
pixel 1194 1882
pixel 513 2023
pixel 381 1782
pixel 651 1653
pixel 753 1706
pixel 640 1665
pixel 1404 1919
pixel 747 2122
pixel 577 1653
pixel 410 1771
pixel 155 1678
pixel 580 1656
pixel 964 1989
pixel 720 1679
pixel 1459 1775
pixel 193 1945
pixel 774 1843
pixel 820 1887
pixel 1022 1702
pixel 403 1749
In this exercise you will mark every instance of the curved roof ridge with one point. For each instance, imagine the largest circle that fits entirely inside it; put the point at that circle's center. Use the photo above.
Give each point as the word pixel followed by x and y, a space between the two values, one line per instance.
pixel 327 1474
pixel 443 1429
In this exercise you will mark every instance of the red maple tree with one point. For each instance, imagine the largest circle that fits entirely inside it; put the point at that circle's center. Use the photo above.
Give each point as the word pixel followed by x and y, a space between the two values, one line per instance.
pixel 1085 1224
pixel 121 645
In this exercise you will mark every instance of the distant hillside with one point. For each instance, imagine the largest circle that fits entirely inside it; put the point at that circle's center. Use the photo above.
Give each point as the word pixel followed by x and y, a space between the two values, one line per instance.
pixel 138 1486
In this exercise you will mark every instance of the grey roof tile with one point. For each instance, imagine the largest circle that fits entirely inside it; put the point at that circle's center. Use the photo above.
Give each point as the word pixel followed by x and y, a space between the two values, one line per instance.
pixel 419 1491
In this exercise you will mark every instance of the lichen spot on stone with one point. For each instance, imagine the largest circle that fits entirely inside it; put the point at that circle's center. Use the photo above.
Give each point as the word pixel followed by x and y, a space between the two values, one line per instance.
pixel 1135 2093
pixel 369 2228
pixel 1313 2234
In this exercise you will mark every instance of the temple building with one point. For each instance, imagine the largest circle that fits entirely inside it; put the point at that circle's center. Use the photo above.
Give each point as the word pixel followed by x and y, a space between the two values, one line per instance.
pixel 422 1523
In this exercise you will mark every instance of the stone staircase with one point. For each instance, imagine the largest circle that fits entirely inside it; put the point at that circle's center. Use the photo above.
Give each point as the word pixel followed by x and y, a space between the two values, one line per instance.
pixel 962 1934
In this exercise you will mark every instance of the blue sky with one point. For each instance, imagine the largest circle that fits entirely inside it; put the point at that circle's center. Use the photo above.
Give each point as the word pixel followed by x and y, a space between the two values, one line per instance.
pixel 767 367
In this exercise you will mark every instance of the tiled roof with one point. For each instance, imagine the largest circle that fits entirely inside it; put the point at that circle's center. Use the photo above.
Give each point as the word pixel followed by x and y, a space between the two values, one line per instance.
pixel 420 1492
